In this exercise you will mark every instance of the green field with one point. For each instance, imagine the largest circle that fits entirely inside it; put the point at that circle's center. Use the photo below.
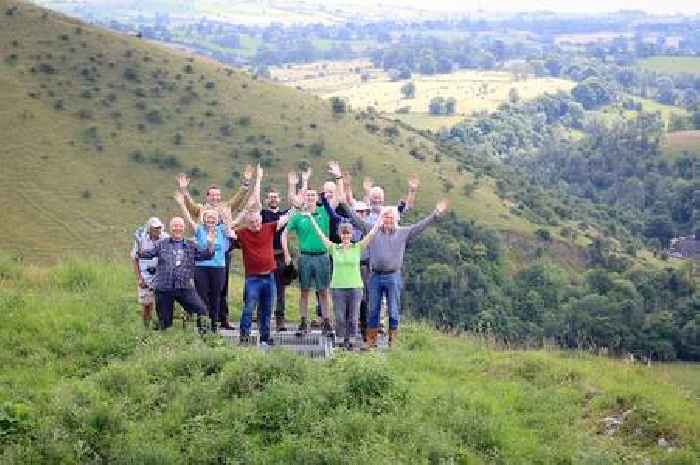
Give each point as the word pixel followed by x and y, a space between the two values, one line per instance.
pixel 664 64
pixel 90 121
pixel 83 382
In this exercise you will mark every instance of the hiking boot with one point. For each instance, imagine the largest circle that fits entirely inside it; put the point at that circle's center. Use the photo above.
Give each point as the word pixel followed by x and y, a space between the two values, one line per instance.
pixel 371 342
pixel 280 324
pixel 393 336
pixel 225 325
pixel 304 325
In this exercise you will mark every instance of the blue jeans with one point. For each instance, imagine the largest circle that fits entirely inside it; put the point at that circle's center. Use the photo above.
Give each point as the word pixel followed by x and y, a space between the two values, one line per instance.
pixel 380 285
pixel 259 292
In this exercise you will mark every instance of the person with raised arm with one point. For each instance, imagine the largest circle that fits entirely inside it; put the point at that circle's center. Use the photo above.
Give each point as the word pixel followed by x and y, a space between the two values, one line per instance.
pixel 314 267
pixel 272 214
pixel 174 277
pixel 386 251
pixel 374 197
pixel 256 240
pixel 210 274
pixel 346 281
pixel 227 211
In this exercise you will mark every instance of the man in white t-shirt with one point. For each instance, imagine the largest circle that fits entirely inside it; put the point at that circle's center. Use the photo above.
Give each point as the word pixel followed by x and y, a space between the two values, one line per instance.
pixel 145 238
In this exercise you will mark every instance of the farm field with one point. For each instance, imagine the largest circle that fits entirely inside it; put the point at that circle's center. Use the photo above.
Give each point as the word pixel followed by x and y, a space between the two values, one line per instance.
pixel 682 141
pixel 475 91
pixel 672 64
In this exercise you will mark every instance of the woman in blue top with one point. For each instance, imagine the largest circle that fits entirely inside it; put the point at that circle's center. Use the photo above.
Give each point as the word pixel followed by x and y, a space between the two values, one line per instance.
pixel 210 275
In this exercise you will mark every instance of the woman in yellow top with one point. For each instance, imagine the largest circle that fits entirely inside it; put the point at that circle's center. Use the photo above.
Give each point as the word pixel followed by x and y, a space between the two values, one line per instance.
pixel 346 282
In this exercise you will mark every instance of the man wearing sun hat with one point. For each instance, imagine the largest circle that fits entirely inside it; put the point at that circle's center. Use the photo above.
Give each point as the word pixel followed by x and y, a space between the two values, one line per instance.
pixel 145 238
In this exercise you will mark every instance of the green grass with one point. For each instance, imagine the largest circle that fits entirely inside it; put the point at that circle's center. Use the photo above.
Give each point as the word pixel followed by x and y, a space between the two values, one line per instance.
pixel 70 184
pixel 665 64
pixel 82 382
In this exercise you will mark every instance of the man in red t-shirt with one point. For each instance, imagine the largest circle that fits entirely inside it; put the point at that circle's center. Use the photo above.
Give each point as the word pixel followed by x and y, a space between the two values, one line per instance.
pixel 255 241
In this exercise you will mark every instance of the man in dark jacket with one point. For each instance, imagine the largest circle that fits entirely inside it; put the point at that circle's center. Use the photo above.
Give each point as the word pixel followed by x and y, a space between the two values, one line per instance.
pixel 174 279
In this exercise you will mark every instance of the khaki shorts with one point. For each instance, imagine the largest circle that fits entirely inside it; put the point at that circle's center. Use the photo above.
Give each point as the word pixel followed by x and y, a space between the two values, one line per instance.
pixel 146 295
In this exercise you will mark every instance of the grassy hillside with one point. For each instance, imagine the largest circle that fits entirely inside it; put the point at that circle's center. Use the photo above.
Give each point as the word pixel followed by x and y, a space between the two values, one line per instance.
pixel 83 383
pixel 96 125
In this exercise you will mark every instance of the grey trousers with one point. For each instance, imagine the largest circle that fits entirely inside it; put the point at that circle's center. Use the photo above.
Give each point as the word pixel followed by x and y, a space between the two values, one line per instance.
pixel 346 304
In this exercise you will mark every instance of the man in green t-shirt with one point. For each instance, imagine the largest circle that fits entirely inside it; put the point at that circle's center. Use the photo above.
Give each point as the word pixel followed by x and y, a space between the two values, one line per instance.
pixel 314 265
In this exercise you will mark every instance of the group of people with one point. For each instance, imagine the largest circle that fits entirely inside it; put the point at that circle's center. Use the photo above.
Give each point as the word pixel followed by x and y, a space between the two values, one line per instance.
pixel 350 252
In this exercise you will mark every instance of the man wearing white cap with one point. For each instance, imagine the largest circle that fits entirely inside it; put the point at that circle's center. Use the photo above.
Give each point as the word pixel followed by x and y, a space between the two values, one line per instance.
pixel 145 238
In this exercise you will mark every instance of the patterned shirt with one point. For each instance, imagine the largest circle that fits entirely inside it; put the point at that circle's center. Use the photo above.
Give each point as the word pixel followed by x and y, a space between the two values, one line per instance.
pixel 176 261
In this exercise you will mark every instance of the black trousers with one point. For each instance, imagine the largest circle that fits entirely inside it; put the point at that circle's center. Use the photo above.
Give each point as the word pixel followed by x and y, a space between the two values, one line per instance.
pixel 209 282
pixel 223 301
pixel 279 285
pixel 188 298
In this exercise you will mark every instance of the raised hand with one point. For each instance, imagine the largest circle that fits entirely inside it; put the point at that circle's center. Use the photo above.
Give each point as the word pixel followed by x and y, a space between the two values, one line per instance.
pixel 413 183
pixel 183 181
pixel 179 198
pixel 441 207
pixel 367 184
pixel 334 169
pixel 248 172
pixel 293 178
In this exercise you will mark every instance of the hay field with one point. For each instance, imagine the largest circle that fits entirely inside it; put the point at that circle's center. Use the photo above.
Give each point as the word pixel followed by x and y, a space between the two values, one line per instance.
pixel 475 91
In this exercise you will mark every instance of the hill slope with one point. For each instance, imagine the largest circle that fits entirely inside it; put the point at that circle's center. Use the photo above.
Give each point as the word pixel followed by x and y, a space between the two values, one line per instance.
pixel 96 125
pixel 85 384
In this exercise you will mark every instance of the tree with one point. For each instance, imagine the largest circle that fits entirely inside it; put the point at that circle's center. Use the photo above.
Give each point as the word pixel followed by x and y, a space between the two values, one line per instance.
pixel 408 90
pixel 437 106
pixel 450 106
pixel 513 95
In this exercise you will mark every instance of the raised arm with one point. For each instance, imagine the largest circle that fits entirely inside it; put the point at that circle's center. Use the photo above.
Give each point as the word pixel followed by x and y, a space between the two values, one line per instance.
pixel 181 200
pixel 239 197
pixel 347 184
pixel 320 234
pixel 419 227
pixel 254 203
pixel 367 185
pixel 413 184
pixel 194 208
pixel 305 176
pixel 292 194
pixel 369 235
pixel 334 169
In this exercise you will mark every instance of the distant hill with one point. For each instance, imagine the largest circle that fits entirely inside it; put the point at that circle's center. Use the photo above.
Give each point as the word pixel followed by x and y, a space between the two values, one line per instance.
pixel 96 125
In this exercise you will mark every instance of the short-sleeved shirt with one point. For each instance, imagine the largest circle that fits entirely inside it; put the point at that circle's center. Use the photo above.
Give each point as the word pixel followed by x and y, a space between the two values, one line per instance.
pixel 346 266
pixel 306 234
pixel 221 244
pixel 258 255
pixel 143 241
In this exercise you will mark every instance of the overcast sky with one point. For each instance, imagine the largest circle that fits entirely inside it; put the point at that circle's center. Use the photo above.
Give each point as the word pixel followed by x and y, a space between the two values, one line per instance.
pixel 570 6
